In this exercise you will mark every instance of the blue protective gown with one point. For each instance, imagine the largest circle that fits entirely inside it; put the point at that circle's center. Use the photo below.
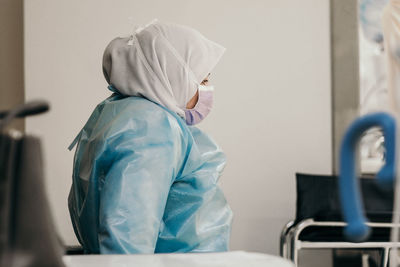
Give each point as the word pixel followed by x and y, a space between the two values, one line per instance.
pixel 145 182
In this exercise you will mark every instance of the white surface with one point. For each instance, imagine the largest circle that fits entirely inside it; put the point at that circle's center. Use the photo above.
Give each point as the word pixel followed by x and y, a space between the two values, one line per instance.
pixel 231 259
pixel 272 94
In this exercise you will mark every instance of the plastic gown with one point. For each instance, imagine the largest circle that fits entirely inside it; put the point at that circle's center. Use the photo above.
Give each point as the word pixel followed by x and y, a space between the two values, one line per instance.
pixel 145 182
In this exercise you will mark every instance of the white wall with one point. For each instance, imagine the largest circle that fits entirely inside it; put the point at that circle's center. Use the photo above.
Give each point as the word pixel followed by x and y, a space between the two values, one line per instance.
pixel 272 114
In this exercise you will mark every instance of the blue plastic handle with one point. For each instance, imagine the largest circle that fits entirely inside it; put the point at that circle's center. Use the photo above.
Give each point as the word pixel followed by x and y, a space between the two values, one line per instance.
pixel 352 207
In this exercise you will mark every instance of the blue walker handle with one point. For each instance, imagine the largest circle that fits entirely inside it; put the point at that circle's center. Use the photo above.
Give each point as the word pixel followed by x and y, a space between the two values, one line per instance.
pixel 352 208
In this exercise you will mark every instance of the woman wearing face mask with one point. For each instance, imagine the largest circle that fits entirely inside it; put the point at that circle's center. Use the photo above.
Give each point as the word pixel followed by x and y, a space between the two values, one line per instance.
pixel 144 179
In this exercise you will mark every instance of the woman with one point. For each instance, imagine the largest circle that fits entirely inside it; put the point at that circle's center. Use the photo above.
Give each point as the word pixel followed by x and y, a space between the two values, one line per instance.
pixel 144 180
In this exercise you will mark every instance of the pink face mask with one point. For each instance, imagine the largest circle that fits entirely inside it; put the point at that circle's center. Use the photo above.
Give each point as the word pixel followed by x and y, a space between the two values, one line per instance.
pixel 203 107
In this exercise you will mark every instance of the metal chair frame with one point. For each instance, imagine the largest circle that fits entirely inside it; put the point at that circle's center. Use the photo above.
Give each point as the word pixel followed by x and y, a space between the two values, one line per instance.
pixel 290 243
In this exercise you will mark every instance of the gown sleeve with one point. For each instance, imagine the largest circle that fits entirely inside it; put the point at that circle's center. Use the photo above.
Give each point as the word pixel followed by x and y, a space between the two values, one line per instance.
pixel 197 216
pixel 134 189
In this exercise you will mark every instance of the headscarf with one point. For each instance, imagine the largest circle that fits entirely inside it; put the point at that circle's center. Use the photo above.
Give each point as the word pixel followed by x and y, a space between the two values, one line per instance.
pixel 162 62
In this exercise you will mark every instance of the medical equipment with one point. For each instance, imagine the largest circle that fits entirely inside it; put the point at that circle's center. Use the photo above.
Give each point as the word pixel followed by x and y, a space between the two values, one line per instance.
pixel 357 230
pixel 349 191
pixel 27 234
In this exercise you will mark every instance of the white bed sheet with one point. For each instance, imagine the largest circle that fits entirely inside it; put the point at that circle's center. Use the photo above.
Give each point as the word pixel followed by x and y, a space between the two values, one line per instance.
pixel 232 259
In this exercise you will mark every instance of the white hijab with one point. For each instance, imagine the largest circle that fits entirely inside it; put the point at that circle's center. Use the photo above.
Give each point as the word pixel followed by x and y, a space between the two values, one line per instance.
pixel 162 62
